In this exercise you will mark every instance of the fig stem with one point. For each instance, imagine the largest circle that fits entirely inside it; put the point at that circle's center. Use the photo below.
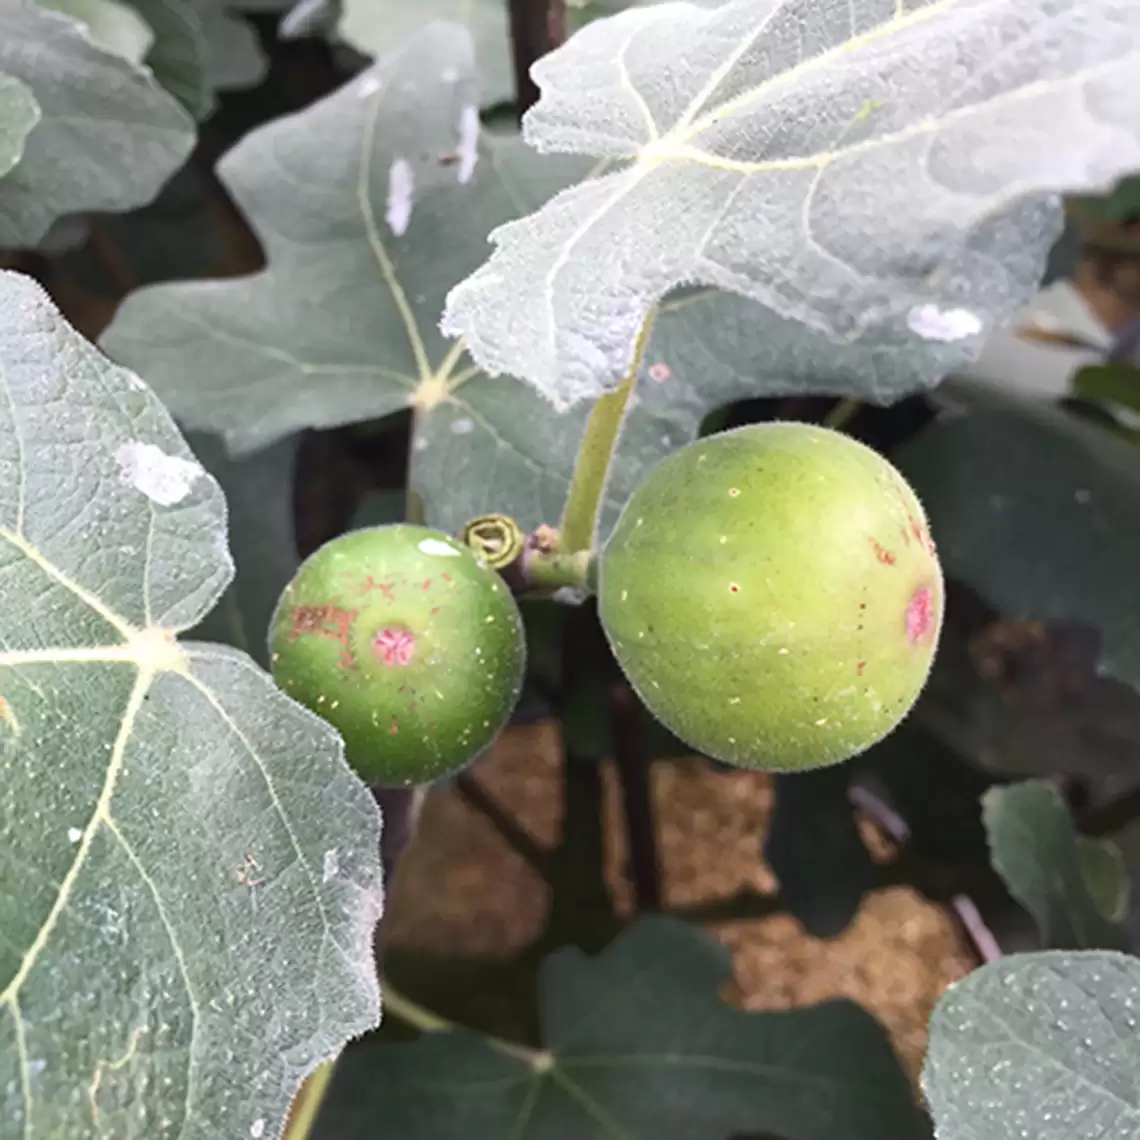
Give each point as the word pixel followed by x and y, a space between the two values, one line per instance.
pixel 307 1104
pixel 843 413
pixel 427 1021
pixel 583 504
pixel 546 572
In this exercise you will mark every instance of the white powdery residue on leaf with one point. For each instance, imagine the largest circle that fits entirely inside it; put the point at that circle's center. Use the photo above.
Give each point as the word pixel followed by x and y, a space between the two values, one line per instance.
pixel 164 479
pixel 401 187
pixel 463 427
pixel 74 835
pixel 257 1128
pixel 932 323
pixel 468 146
pixel 439 547
pixel 332 865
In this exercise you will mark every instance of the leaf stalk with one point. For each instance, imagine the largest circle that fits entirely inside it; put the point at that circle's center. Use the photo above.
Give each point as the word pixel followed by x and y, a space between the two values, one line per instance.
pixel 595 453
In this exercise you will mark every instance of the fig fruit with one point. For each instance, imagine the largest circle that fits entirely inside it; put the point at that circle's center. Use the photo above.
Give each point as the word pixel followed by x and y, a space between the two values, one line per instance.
pixel 407 644
pixel 773 595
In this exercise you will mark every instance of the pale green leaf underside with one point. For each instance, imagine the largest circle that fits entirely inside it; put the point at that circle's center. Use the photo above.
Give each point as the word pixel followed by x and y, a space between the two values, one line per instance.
pixel 378 27
pixel 189 875
pixel 1043 1045
pixel 1037 851
pixel 639 1047
pixel 234 57
pixel 108 135
pixel 342 326
pixel 179 54
pixel 112 26
pixel 829 159
pixel 19 113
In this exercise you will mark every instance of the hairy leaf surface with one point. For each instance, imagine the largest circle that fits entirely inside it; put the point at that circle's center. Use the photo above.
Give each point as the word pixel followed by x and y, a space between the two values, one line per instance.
pixel 829 159
pixel 189 876
pixel 369 214
pixel 1042 1045
pixel 108 135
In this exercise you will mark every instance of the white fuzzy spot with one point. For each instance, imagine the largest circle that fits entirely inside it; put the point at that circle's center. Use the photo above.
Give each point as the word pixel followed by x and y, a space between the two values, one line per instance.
pixel 439 547
pixel 36 1067
pixel 468 146
pixel 401 187
pixel 420 444
pixel 462 427
pixel 165 479
pixel 257 1128
pixel 332 864
pixel 367 85
pixel 932 323
pixel 74 835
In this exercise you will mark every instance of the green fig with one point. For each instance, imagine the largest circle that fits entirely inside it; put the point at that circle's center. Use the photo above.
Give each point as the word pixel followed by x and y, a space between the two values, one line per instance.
pixel 407 644
pixel 773 595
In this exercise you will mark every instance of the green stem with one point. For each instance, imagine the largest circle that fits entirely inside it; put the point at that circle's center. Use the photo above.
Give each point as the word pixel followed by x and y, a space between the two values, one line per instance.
pixel 583 504
pixel 426 1021
pixel 546 573
pixel 842 414
pixel 307 1104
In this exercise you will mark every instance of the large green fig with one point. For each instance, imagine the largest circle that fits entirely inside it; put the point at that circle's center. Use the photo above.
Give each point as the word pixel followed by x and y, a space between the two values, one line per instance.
pixel 774 596
pixel 406 643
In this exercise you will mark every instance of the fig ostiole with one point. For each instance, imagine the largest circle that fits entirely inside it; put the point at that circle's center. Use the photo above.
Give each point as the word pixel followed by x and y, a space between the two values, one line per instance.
pixel 407 644
pixel 773 595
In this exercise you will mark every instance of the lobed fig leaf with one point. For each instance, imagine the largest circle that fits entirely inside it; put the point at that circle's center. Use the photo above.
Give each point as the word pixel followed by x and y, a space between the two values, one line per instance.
pixel 405 642
pixel 774 596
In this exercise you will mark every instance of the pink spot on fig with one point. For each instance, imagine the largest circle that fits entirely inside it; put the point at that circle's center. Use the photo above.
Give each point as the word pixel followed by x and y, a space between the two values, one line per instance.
pixel 660 372
pixel 920 613
pixel 394 646
pixel 860 667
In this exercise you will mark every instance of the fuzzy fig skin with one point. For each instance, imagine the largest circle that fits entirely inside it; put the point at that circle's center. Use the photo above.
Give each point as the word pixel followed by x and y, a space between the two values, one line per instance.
pixel 407 644
pixel 773 595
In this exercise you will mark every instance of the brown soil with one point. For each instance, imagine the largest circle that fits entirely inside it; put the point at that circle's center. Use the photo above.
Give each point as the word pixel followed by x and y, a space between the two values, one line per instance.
pixel 461 889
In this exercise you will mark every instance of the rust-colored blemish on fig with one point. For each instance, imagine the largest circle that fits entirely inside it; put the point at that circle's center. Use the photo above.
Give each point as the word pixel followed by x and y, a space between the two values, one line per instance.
pixel 324 621
pixel 860 667
pixel 394 727
pixel 370 585
pixel 881 552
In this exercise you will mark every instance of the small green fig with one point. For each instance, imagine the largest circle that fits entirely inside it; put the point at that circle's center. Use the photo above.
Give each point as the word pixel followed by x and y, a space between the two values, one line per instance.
pixel 407 644
pixel 773 595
